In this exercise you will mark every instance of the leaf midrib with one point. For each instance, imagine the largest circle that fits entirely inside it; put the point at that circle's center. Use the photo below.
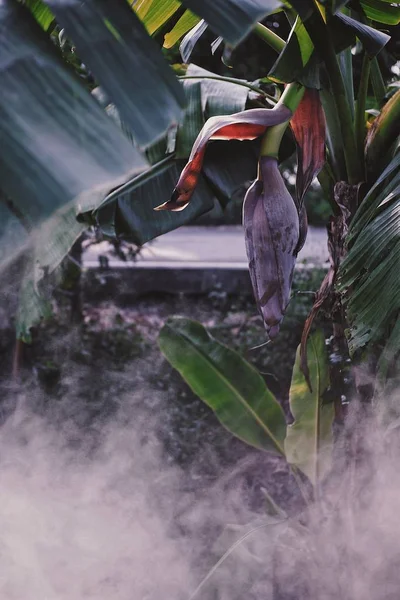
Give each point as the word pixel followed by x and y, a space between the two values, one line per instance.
pixel 241 399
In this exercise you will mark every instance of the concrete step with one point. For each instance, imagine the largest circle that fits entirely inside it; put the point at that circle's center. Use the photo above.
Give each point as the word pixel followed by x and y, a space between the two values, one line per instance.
pixel 187 260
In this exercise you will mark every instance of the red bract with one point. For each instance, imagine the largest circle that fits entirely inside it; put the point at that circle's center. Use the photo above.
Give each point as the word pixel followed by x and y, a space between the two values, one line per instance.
pixel 308 126
pixel 246 125
pixel 272 233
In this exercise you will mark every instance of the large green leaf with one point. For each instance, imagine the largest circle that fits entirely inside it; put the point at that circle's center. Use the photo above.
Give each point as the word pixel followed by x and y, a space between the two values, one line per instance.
pixel 128 211
pixel 54 132
pixel 187 21
pixel 226 382
pixel 115 46
pixel 308 443
pixel 154 14
pixel 232 19
pixel 62 154
pixel 41 12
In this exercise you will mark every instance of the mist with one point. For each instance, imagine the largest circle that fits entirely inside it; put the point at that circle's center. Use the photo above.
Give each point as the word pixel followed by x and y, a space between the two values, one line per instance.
pixel 97 508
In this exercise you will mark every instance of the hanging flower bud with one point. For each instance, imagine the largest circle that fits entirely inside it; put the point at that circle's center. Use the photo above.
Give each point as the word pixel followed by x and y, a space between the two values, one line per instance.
pixel 245 125
pixel 272 234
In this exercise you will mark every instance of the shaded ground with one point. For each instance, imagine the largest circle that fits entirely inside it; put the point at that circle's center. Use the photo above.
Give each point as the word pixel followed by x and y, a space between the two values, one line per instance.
pixel 81 374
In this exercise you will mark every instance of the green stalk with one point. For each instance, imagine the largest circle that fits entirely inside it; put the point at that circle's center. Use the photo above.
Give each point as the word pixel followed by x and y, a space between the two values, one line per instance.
pixel 271 141
pixel 360 127
pixel 291 96
pixel 268 36
pixel 322 40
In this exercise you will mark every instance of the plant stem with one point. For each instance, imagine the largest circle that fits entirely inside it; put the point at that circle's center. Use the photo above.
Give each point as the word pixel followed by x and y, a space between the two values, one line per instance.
pixel 292 96
pixel 360 127
pixel 268 36
pixel 252 87
pixel 271 141
pixel 322 40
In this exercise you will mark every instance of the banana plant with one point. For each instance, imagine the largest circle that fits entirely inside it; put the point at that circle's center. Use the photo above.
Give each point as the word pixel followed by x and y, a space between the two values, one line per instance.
pixel 69 166
pixel 242 402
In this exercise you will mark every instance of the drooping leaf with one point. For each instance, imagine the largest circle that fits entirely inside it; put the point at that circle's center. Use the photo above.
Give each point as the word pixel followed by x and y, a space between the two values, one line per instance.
pixel 308 126
pixel 56 135
pixel 222 96
pixel 129 211
pixel 308 443
pixel 154 14
pixel 246 125
pixel 227 167
pixel 232 19
pixel 41 12
pixel 299 61
pixel 187 21
pixel 54 131
pixel 226 382
pixel 118 45
pixel 205 98
pixel 372 39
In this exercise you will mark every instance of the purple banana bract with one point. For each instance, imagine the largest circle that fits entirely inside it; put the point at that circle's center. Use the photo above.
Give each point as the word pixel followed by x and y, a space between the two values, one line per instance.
pixel 272 233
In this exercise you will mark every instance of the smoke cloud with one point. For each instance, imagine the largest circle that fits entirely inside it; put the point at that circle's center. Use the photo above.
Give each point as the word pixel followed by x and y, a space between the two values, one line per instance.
pixel 98 510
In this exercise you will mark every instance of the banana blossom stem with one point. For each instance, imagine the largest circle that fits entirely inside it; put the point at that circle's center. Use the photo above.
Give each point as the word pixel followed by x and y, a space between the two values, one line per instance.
pixel 271 141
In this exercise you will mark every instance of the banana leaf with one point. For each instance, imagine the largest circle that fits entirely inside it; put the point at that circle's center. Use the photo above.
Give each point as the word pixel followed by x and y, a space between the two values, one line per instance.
pixel 62 154
pixel 225 382
pixel 41 12
pixel 232 19
pixel 308 443
pixel 129 212
pixel 187 21
pixel 154 14
pixel 371 269
pixel 127 63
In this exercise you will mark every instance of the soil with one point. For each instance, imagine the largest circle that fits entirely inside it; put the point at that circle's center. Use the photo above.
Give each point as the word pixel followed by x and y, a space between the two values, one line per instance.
pixel 79 374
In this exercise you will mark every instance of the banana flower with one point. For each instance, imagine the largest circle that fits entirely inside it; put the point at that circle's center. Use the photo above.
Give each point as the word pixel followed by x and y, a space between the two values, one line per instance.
pixel 275 225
